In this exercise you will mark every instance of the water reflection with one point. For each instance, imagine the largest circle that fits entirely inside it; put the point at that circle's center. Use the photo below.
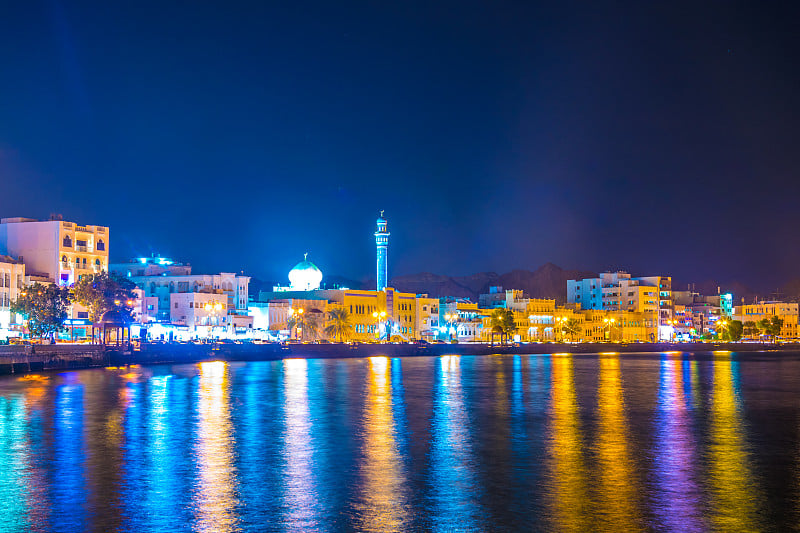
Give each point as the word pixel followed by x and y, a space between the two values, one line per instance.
pixel 618 478
pixel 734 493
pixel 298 482
pixel 452 471
pixel 68 482
pixel 677 499
pixel 215 498
pixel 383 499
pixel 568 495
pixel 14 464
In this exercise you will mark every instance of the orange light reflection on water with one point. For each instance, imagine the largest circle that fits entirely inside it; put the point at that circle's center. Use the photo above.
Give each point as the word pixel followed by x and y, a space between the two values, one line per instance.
pixel 618 482
pixel 568 494
pixel 384 494
pixel 215 500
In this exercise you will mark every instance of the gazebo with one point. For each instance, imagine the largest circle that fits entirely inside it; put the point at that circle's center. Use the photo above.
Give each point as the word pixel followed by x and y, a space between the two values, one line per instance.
pixel 116 322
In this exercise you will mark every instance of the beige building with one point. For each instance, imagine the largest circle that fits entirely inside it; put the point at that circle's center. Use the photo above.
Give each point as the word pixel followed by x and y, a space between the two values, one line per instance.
pixel 427 314
pixel 788 312
pixel 63 251
pixel 543 321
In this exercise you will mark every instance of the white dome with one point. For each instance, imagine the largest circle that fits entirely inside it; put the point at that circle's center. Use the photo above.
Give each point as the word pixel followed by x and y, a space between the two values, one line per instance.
pixel 305 276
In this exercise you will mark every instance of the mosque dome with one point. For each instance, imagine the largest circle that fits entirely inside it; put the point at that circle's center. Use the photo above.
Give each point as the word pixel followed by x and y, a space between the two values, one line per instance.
pixel 305 276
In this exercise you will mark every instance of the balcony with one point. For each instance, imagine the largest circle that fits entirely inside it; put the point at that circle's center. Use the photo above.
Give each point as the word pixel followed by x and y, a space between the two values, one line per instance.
pixel 82 248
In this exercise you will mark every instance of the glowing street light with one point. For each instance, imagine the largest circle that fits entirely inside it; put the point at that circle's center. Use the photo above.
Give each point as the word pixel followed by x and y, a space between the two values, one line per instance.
pixel 213 307
pixel 380 318
pixel 298 328
pixel 608 323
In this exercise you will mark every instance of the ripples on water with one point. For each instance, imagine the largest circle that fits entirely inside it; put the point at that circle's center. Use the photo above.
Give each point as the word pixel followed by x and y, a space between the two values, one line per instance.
pixel 503 443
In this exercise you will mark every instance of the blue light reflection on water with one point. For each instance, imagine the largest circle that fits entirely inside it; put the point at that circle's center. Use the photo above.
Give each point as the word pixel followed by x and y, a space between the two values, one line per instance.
pixel 677 498
pixel 499 443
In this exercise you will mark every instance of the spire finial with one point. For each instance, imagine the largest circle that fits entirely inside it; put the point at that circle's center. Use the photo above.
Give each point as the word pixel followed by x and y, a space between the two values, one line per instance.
pixel 305 256
pixel 381 213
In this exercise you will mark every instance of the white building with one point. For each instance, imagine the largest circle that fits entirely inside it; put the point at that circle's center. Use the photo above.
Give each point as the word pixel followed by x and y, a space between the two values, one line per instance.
pixel 165 284
pixel 61 250
pixel 12 276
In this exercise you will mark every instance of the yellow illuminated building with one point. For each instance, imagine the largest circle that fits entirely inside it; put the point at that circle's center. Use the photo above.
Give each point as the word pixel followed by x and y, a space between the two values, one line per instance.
pixel 788 312
pixel 542 321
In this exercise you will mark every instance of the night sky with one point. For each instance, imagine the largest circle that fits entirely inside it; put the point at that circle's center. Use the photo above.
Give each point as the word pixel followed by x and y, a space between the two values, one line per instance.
pixel 657 138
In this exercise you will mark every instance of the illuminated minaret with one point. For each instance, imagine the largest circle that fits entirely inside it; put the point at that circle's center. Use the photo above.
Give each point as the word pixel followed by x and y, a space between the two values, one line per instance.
pixel 382 244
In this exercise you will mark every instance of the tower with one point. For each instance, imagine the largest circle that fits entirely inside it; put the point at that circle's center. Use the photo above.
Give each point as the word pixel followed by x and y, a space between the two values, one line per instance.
pixel 382 246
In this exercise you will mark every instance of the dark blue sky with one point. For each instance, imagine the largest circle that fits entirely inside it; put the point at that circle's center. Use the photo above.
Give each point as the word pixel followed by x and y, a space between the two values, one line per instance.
pixel 657 138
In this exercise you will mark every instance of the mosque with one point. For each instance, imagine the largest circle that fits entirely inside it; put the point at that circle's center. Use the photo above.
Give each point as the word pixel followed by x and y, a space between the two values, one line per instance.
pixel 383 313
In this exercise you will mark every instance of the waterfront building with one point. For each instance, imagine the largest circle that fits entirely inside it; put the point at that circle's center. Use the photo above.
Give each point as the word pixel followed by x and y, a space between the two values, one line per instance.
pixel 541 320
pixel 788 312
pixel 12 282
pixel 160 278
pixel 382 252
pixel 618 291
pixel 61 250
pixel 696 315
pixel 427 315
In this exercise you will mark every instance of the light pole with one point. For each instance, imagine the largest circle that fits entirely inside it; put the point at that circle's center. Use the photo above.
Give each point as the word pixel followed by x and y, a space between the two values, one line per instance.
pixel 609 324
pixel 451 318
pixel 213 307
pixel 299 320
pixel 561 322
pixel 722 324
pixel 379 317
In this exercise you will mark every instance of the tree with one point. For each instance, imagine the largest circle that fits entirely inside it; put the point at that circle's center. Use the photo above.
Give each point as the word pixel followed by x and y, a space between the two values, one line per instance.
pixel 44 307
pixel 750 329
pixel 504 319
pixel 102 292
pixel 771 326
pixel 307 324
pixel 571 328
pixel 338 324
pixel 733 331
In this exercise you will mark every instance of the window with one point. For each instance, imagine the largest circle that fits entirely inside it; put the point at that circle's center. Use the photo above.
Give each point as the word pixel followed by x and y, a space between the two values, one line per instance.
pixel 176 305
pixel 64 261
pixel 97 262
pixel 83 314
pixel 101 246
pixel 191 305
pixel 67 242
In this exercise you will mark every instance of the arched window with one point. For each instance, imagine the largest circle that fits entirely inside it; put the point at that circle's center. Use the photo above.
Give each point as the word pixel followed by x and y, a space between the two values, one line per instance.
pixel 152 289
pixel 171 287
pixel 64 261
pixel 101 246
pixel 67 242
pixel 97 263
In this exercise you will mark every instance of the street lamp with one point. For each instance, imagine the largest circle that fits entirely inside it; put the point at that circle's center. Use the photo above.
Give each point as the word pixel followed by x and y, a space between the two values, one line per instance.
pixel 722 324
pixel 213 307
pixel 608 323
pixel 561 322
pixel 451 318
pixel 379 317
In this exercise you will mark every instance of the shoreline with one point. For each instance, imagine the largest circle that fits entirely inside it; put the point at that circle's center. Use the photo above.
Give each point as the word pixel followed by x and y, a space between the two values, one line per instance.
pixel 19 360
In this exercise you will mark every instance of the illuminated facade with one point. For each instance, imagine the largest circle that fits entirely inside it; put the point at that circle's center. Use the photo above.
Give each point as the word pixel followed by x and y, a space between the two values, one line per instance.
pixel 61 250
pixel 788 312
pixel 12 279
pixel 618 291
pixel 382 246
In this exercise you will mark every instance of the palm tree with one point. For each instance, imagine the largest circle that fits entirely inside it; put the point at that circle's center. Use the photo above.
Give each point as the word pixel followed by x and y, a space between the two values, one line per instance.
pixel 571 328
pixel 338 324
